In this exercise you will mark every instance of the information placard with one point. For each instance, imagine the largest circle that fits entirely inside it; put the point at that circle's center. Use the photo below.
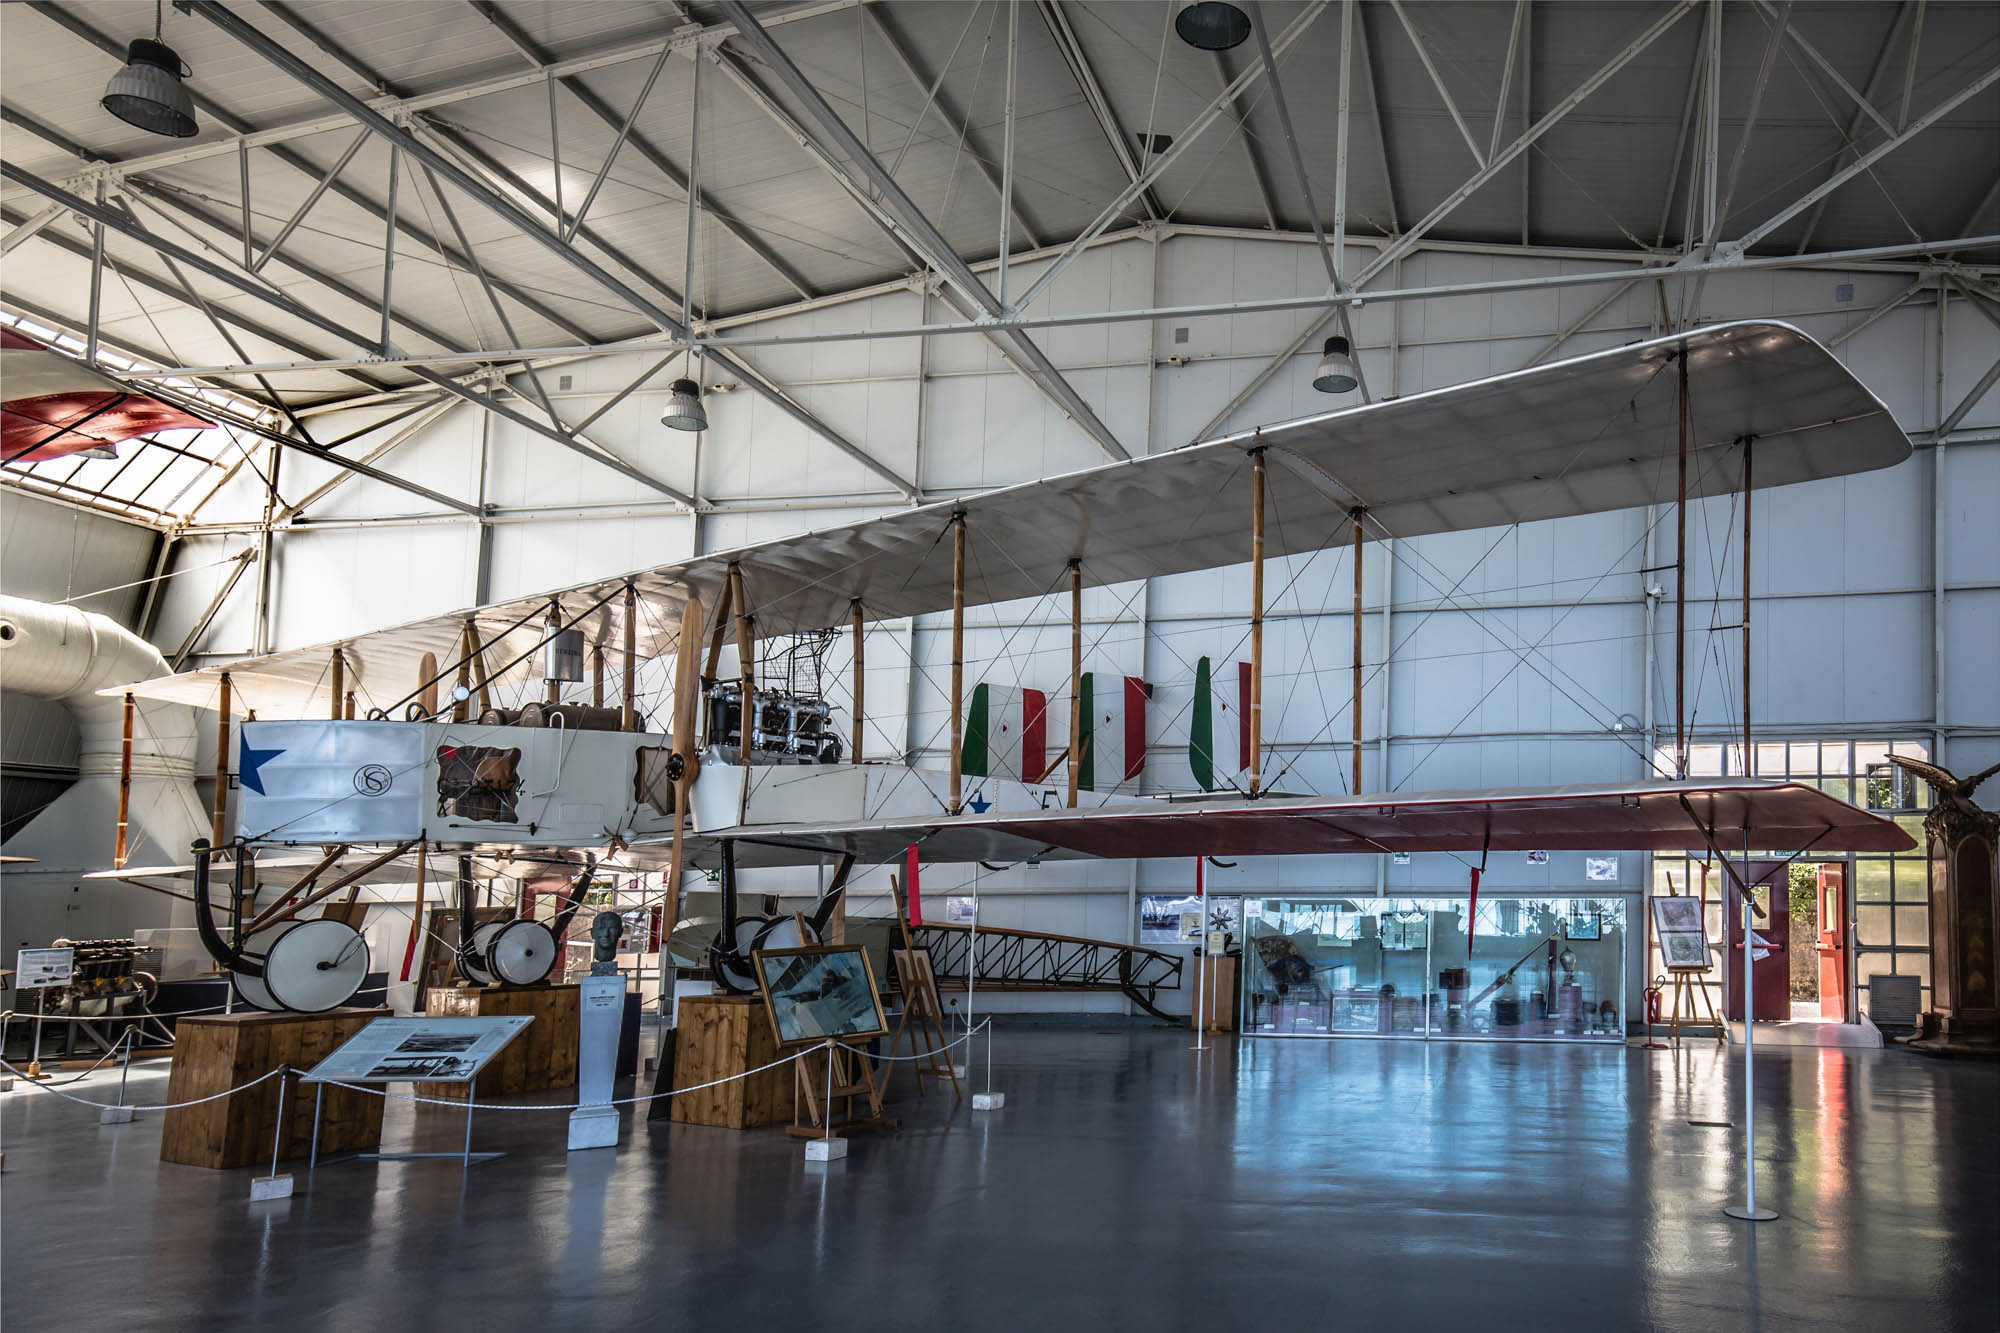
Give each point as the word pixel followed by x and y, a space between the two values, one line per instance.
pixel 420 1050
pixel 36 969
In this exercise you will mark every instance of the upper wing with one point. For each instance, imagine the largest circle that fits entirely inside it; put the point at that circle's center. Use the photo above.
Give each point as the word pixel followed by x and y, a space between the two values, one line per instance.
pixel 1592 433
pixel 1646 816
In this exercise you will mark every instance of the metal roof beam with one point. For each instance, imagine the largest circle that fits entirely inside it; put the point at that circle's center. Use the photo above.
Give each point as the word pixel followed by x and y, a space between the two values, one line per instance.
pixel 303 73
pixel 162 287
pixel 247 136
pixel 1437 81
pixel 1202 120
pixel 1100 105
pixel 1367 63
pixel 274 140
pixel 202 264
pixel 954 119
pixel 1404 243
pixel 1239 111
pixel 916 231
pixel 1860 164
pixel 1327 255
pixel 1851 137
pixel 718 212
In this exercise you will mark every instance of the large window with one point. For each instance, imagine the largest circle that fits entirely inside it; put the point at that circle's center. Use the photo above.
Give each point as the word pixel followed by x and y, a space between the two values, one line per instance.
pixel 1887 896
pixel 1549 967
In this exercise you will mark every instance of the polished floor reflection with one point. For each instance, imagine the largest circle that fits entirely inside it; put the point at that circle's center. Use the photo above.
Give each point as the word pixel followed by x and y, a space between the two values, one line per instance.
pixel 1128 1184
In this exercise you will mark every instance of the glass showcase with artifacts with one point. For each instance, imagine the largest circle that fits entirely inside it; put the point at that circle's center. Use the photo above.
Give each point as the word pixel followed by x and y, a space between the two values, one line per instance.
pixel 1523 967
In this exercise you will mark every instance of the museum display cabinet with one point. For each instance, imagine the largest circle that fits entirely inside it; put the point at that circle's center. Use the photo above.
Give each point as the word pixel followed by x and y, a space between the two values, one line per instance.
pixel 1537 967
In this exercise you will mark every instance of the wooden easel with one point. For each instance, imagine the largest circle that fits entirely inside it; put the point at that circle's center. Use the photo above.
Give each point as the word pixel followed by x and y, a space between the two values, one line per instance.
pixel 842 1075
pixel 921 1002
pixel 927 1038
pixel 1687 982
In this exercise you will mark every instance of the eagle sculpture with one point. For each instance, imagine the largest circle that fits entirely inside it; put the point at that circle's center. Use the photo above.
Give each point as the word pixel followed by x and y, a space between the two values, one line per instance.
pixel 1953 792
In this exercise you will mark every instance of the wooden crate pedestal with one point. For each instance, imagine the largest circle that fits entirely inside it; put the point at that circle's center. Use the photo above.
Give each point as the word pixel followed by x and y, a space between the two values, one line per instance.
pixel 542 1057
pixel 723 1035
pixel 215 1052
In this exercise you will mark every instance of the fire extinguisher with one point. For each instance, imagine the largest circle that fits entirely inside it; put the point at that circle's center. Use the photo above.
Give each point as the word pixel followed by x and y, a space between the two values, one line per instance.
pixel 1653 999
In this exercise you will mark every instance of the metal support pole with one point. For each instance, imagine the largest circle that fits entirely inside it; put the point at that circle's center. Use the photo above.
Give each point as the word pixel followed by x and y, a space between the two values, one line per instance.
pixel 1680 583
pixel 1749 756
pixel 389 246
pixel 1748 1211
pixel 957 658
pixel 278 1130
pixel 1075 676
pixel 312 1156
pixel 1256 620
pixel 124 784
pixel 1356 513
pixel 630 720
pixel 96 284
pixel 1200 957
pixel 1007 154
pixel 219 824
pixel 860 677
pixel 471 1104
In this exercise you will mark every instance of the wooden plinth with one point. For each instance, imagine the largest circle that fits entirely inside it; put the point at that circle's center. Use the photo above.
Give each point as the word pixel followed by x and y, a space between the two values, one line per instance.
pixel 1218 993
pixel 214 1052
pixel 721 1035
pixel 542 1057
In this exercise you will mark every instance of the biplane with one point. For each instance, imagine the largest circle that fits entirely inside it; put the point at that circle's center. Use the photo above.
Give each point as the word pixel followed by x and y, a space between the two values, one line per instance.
pixel 748 772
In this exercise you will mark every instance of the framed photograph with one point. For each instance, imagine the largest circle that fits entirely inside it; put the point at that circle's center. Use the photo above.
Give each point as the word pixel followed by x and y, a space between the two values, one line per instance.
pixel 1684 950
pixel 1678 916
pixel 1160 916
pixel 1584 924
pixel 819 991
pixel 1603 869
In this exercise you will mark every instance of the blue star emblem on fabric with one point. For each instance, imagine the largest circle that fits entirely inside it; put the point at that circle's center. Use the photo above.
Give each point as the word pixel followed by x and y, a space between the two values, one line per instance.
pixel 979 804
pixel 250 765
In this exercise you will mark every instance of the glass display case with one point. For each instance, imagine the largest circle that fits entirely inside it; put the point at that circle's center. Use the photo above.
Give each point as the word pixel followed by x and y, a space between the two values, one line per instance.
pixel 1542 967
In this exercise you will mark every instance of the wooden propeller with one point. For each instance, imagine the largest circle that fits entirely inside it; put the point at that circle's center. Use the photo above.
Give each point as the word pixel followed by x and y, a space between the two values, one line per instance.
pixel 687 696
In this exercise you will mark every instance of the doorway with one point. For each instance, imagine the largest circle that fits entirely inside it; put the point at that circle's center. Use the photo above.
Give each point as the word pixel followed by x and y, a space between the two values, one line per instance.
pixel 1818 967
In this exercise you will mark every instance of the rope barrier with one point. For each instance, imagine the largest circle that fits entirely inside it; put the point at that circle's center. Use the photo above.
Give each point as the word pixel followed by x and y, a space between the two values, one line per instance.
pixel 165 1106
pixel 386 1095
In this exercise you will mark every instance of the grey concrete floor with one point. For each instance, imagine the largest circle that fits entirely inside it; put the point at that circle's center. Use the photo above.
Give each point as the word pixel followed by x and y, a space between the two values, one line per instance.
pixel 1128 1184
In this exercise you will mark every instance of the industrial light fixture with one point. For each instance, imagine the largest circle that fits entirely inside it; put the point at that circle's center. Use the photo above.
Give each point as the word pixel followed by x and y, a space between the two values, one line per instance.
pixel 96 451
pixel 684 409
pixel 147 92
pixel 1335 371
pixel 1212 25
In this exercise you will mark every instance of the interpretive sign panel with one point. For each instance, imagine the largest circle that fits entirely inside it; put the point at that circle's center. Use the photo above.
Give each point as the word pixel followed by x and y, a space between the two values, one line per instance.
pixel 420 1050
pixel 35 969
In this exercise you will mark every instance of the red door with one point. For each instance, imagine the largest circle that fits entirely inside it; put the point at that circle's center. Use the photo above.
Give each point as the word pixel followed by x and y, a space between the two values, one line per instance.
pixel 1771 974
pixel 1833 942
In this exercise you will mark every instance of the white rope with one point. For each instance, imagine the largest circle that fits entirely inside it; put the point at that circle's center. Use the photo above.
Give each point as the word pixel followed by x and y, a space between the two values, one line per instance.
pixel 936 1050
pixel 165 1106
pixel 490 1106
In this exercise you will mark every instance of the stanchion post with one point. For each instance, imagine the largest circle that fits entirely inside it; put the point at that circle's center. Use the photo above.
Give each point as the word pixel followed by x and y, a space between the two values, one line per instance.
pixel 312 1158
pixel 274 1186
